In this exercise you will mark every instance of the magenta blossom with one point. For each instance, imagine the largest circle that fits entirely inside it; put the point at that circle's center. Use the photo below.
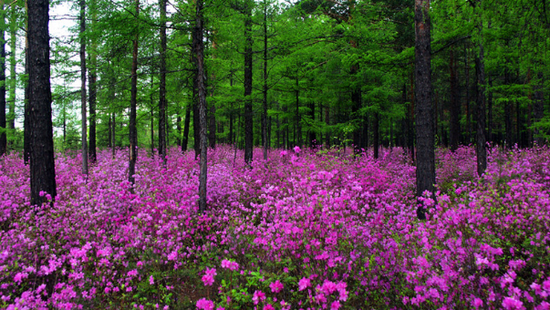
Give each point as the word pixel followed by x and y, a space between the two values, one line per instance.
pixel 276 286
pixel 205 304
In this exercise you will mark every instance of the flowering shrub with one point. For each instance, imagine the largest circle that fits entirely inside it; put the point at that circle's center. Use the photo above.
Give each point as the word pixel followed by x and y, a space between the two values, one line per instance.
pixel 302 230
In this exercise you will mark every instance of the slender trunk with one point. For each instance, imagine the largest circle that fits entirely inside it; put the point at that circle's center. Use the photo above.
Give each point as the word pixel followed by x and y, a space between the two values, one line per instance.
pixel 13 67
pixel 490 137
pixel 162 83
pixel 133 107
pixel 376 134
pixel 42 170
pixel 264 114
pixel 508 112
pixel 3 140
pixel 425 169
pixel 455 105
pixel 539 107
pixel 467 74
pixel 185 139
pixel 113 132
pixel 298 133
pixel 83 87
pixel 202 104
pixel 109 128
pixel 481 151
pixel 248 116
pixel 152 116
pixel 93 88
pixel 27 134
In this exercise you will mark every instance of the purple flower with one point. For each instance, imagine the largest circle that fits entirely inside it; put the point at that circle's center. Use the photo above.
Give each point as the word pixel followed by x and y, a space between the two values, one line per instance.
pixel 510 303
pixel 276 286
pixel 258 297
pixel 205 304
pixel 303 284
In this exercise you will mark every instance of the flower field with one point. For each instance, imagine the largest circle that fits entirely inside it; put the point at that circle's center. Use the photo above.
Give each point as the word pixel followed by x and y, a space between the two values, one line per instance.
pixel 301 230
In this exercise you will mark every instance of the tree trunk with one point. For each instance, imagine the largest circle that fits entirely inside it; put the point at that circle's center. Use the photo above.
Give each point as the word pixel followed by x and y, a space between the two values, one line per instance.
pixel 376 134
pixel 3 140
pixel 27 134
pixel 152 117
pixel 508 112
pixel 133 107
pixel 455 105
pixel 13 67
pixel 83 98
pixel 248 116
pixel 264 114
pixel 93 88
pixel 539 107
pixel 481 151
pixel 162 83
pixel 113 132
pixel 42 170
pixel 467 74
pixel 425 169
pixel 185 138
pixel 202 105
pixel 490 137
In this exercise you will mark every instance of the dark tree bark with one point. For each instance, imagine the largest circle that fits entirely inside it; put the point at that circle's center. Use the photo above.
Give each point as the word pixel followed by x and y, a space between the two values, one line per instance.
pixel 539 107
pixel 481 140
pixel 468 136
pixel 455 105
pixel 3 139
pixel 162 83
pixel 265 142
pixel 83 97
pixel 133 107
pixel 508 112
pixel 13 67
pixel 425 168
pixel 248 116
pixel 27 134
pixel 376 134
pixel 298 133
pixel 113 132
pixel 490 137
pixel 185 138
pixel 356 100
pixel 42 170
pixel 201 89
pixel 92 147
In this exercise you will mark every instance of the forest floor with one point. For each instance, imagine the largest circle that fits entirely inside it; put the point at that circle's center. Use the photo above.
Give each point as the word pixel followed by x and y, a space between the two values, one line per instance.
pixel 302 230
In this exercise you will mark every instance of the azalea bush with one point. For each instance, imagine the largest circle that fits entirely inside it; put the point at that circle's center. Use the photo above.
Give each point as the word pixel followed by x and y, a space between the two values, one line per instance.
pixel 301 230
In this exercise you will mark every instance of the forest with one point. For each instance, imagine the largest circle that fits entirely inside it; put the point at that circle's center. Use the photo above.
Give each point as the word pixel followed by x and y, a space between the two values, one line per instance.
pixel 308 154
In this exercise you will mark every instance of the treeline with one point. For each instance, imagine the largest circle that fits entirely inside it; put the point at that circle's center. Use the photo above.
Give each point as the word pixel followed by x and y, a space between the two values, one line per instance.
pixel 303 73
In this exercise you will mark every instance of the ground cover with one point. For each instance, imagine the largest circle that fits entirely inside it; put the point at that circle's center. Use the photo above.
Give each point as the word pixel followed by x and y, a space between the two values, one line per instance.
pixel 303 230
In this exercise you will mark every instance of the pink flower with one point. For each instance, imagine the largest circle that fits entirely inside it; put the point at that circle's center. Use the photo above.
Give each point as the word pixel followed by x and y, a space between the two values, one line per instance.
pixel 303 284
pixel 335 305
pixel 276 286
pixel 297 149
pixel 230 265
pixel 258 297
pixel 205 304
pixel 151 280
pixel 478 302
pixel 510 303
pixel 268 307
pixel 208 278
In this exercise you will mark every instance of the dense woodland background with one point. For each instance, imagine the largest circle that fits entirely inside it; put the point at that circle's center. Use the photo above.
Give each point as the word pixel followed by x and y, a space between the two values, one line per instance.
pixel 319 72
